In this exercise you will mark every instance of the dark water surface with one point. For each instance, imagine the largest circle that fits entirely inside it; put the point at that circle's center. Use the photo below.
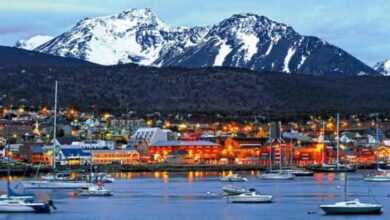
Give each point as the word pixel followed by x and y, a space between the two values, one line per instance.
pixel 197 195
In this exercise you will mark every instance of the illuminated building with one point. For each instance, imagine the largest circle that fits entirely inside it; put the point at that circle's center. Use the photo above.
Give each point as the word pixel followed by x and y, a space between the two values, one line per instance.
pixel 198 151
pixel 114 156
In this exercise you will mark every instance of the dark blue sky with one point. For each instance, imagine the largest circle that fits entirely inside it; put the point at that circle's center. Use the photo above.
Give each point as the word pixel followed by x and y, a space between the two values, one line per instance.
pixel 361 27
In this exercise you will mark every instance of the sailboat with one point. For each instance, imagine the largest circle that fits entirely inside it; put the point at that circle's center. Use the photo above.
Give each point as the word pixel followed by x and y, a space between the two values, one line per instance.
pixel 351 206
pixel 13 202
pixel 54 183
pixel 275 174
pixel 336 167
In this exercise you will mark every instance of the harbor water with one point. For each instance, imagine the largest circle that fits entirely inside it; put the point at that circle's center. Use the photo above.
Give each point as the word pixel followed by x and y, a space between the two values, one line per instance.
pixel 198 195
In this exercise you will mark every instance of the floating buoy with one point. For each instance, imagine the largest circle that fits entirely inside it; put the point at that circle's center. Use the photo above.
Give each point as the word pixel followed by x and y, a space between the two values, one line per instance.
pixel 338 187
pixel 311 212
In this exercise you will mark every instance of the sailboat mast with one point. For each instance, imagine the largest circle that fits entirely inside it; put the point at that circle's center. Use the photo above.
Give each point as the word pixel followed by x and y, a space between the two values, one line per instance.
pixel 345 186
pixel 323 142
pixel 377 130
pixel 8 169
pixel 55 126
pixel 338 141
pixel 270 147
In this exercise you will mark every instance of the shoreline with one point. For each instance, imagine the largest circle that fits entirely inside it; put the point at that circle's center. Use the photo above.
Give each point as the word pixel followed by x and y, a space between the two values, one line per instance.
pixel 28 170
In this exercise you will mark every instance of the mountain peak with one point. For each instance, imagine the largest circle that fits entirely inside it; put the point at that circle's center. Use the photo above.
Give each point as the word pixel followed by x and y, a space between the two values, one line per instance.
pixel 383 67
pixel 32 42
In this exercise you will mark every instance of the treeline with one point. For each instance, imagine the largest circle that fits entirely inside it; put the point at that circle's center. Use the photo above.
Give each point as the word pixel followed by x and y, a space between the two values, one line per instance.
pixel 225 90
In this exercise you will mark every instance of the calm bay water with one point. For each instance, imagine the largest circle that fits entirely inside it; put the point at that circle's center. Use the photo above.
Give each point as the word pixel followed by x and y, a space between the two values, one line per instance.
pixel 197 195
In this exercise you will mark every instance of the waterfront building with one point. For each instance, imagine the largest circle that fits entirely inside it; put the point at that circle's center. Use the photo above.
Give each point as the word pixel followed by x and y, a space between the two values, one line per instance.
pixel 95 144
pixel 144 137
pixel 34 154
pixel 73 155
pixel 114 157
pixel 246 150
pixel 189 151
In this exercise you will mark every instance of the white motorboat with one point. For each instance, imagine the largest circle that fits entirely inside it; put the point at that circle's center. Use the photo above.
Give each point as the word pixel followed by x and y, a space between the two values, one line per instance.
pixel 18 205
pixel 54 184
pixel 57 176
pixel 276 176
pixel 94 190
pixel 299 172
pixel 351 207
pixel 233 178
pixel 105 178
pixel 382 176
pixel 251 197
pixel 236 191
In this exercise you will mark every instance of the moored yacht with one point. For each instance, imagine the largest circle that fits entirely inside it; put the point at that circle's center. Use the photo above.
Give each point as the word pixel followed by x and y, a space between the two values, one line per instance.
pixel 281 175
pixel 351 207
pixel 236 191
pixel 250 197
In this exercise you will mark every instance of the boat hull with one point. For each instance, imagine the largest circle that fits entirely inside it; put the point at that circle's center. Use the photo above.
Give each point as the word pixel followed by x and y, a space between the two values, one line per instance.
pixel 54 185
pixel 276 177
pixel 350 210
pixel 260 199
pixel 375 179
pixel 19 208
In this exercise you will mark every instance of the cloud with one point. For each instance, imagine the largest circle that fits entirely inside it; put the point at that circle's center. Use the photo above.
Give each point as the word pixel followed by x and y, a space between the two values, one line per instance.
pixel 46 5
pixel 14 30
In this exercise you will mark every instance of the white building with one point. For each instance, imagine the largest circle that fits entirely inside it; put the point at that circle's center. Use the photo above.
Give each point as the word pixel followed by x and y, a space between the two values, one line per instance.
pixel 95 144
pixel 144 137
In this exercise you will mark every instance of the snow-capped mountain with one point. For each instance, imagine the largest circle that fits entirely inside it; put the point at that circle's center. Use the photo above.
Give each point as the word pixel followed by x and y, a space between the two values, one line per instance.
pixel 243 40
pixel 33 42
pixel 258 43
pixel 383 67
pixel 132 36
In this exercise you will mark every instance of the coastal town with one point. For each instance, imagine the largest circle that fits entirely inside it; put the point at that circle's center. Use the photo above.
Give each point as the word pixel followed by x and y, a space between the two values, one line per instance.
pixel 105 139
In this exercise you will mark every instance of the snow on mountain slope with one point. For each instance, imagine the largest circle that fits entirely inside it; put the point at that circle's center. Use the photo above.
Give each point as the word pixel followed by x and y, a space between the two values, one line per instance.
pixel 244 40
pixel 32 42
pixel 383 67
pixel 132 36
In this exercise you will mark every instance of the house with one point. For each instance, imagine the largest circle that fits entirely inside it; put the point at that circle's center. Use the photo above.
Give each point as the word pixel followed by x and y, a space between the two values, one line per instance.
pixel 35 154
pixel 73 155
pixel 144 137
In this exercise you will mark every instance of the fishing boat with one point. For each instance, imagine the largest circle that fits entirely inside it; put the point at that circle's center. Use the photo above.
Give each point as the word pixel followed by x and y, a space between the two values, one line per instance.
pixel 251 197
pixel 233 178
pixel 54 182
pixel 94 190
pixel 236 191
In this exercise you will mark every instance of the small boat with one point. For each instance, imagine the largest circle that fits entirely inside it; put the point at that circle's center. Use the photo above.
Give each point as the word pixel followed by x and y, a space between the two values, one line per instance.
pixel 105 178
pixel 251 197
pixel 57 176
pixel 54 184
pixel 233 178
pixel 300 172
pixel 236 191
pixel 94 190
pixel 383 176
pixel 276 176
pixel 351 207
pixel 18 205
